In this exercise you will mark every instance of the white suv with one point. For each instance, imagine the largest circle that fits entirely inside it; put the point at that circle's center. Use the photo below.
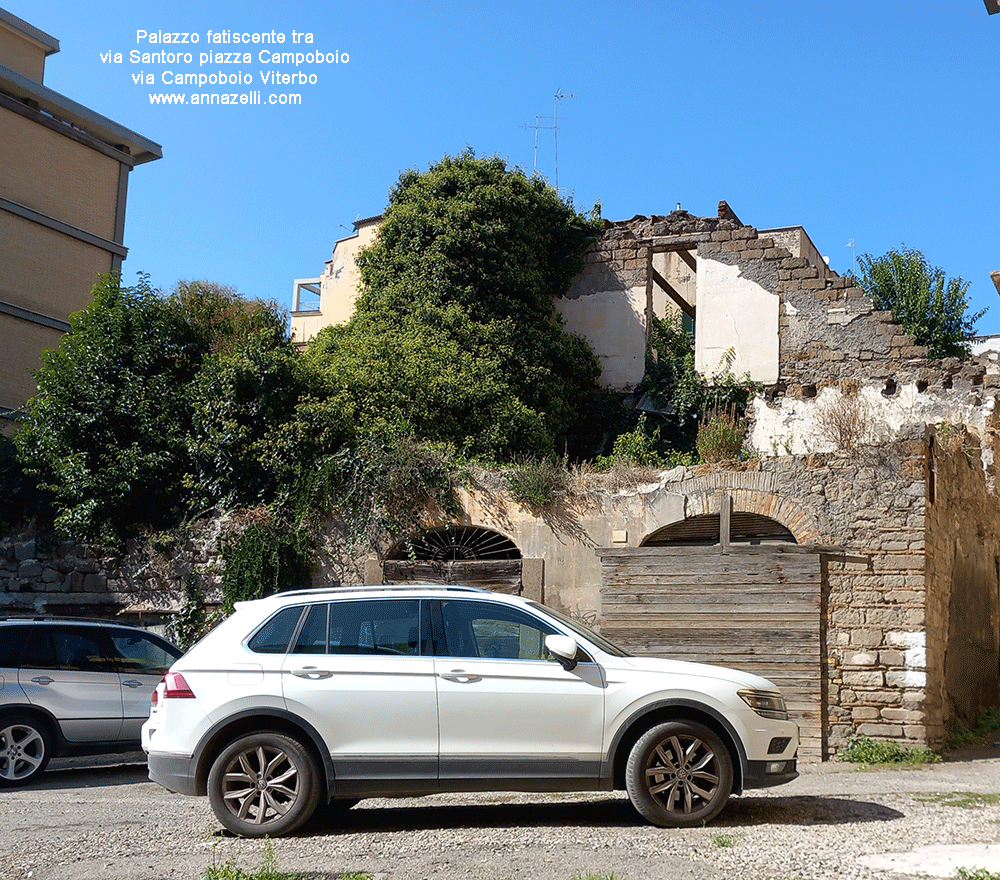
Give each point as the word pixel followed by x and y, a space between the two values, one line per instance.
pixel 339 694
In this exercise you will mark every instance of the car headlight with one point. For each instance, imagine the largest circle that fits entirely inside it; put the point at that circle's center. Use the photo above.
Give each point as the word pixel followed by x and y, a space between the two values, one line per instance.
pixel 766 703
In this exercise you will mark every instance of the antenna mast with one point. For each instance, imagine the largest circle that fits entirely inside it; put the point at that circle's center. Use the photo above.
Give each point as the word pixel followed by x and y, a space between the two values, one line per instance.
pixel 555 127
pixel 536 126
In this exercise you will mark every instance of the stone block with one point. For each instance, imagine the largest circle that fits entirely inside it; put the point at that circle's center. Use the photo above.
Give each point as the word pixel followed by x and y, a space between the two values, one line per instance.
pixel 907 716
pixel 881 731
pixel 863 679
pixel 24 550
pixel 95 583
pixel 30 569
pixel 907 678
pixel 862 658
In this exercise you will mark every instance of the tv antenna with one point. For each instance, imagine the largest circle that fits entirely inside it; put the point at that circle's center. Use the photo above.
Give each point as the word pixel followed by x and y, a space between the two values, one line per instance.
pixel 555 133
pixel 555 127
pixel 536 127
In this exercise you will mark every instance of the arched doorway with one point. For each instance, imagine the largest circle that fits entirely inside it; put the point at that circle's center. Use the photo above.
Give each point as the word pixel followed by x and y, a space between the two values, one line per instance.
pixel 470 555
pixel 732 589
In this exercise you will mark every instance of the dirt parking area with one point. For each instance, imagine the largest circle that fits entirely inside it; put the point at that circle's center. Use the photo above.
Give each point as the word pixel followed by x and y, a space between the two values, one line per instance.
pixel 111 823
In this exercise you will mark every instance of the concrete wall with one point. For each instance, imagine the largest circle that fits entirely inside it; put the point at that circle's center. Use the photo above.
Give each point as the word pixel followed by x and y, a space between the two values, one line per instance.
pixel 737 323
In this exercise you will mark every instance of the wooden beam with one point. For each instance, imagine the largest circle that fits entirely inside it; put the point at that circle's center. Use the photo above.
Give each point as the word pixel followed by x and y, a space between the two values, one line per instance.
pixel 668 289
pixel 725 512
pixel 688 258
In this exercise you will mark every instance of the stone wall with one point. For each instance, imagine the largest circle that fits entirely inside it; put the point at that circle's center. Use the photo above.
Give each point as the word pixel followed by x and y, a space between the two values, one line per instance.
pixel 962 579
pixel 900 629
pixel 145 584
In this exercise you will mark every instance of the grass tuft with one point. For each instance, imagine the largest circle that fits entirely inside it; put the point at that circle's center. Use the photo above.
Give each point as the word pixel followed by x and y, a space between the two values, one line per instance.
pixel 862 750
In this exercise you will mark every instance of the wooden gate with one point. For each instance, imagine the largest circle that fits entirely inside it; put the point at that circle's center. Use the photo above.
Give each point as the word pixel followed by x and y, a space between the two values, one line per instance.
pixel 750 607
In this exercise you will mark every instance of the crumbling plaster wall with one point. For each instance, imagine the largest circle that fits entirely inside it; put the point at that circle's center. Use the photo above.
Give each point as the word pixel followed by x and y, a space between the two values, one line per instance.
pixel 609 303
pixel 768 303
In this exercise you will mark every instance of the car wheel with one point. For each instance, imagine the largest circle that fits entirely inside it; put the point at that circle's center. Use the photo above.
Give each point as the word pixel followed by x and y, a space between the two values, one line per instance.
pixel 679 774
pixel 25 749
pixel 264 784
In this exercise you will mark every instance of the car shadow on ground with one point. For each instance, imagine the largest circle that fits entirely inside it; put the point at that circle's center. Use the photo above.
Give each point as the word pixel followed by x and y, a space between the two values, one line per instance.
pixel 86 776
pixel 600 812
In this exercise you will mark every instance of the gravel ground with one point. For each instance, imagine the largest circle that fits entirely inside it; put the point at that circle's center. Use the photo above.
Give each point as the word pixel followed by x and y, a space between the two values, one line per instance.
pixel 111 823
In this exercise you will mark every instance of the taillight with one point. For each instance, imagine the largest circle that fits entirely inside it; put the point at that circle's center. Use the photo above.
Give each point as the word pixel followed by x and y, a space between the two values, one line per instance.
pixel 175 686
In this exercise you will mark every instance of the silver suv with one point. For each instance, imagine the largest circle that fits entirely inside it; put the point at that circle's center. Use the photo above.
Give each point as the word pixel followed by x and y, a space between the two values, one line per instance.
pixel 340 694
pixel 73 687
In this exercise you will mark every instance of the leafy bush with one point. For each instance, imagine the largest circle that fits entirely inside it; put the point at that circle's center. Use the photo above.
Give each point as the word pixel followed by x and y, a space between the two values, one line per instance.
pixel 930 306
pixel 862 750
pixel 153 404
pixel 263 555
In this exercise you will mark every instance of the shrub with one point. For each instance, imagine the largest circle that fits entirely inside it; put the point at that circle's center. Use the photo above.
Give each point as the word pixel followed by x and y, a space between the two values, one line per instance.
pixel 721 436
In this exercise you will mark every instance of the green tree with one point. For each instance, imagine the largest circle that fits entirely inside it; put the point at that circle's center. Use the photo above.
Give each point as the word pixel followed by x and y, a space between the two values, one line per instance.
pixel 930 306
pixel 102 433
pixel 455 336
pixel 139 403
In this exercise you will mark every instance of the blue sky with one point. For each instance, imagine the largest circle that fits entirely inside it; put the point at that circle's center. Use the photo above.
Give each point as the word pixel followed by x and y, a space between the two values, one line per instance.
pixel 872 121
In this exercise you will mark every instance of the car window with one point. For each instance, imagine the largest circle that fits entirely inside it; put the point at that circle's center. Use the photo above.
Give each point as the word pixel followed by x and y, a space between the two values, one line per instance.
pixel 141 653
pixel 371 626
pixel 12 640
pixel 273 637
pixel 486 629
pixel 73 648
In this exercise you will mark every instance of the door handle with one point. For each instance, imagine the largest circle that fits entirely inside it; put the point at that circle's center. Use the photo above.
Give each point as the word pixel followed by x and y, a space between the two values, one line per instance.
pixel 132 683
pixel 42 679
pixel 460 675
pixel 311 672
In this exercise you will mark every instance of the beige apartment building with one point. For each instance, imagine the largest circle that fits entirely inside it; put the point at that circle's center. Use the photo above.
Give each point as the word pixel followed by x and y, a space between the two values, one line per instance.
pixel 329 299
pixel 63 183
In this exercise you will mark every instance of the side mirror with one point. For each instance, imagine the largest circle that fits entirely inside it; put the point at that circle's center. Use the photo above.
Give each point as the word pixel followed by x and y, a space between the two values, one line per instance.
pixel 564 649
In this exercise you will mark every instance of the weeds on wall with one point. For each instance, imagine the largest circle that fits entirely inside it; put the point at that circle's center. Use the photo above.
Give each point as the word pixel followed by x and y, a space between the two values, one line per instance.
pixel 385 482
pixel 537 484
pixel 848 422
pixel 191 622
pixel 721 436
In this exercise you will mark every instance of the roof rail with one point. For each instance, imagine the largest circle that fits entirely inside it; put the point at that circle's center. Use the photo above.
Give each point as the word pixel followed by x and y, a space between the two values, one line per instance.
pixel 312 591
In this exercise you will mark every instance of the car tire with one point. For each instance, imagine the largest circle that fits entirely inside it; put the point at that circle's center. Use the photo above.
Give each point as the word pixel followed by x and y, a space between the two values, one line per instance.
pixel 264 784
pixel 679 774
pixel 25 749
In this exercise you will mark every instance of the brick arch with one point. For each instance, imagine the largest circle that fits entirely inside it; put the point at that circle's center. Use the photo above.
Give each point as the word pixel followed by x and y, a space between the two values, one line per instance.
pixel 792 516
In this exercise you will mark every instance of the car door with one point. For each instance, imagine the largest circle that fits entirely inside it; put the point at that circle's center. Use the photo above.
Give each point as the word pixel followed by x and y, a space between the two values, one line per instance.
pixel 508 709
pixel 68 670
pixel 141 659
pixel 358 674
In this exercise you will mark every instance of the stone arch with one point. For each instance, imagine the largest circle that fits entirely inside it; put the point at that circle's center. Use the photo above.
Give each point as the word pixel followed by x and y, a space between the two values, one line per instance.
pixel 801 524
pixel 449 543
pixel 470 555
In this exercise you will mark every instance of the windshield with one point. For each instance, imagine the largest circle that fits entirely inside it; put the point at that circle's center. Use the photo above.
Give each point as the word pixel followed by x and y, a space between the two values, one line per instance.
pixel 581 630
